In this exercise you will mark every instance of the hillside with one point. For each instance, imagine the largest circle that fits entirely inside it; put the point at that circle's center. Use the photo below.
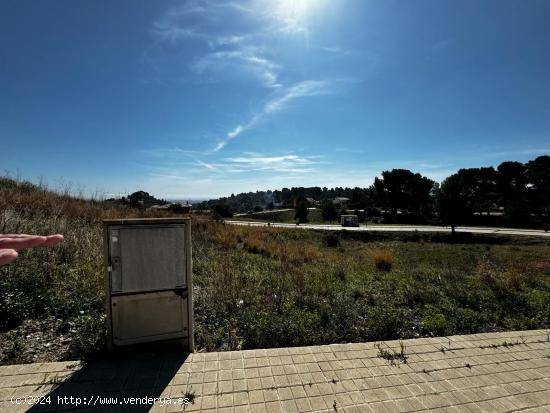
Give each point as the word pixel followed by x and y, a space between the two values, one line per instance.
pixel 51 300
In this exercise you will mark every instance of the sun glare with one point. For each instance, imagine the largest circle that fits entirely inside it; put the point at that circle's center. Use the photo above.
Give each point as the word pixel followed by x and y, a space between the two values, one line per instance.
pixel 293 7
pixel 294 13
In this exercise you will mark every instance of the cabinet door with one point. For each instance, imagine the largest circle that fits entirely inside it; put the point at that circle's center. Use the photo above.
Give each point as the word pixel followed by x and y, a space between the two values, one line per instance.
pixel 147 258
pixel 141 318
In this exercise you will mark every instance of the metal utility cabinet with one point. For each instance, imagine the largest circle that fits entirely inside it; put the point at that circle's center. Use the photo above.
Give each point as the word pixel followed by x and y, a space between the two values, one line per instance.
pixel 148 281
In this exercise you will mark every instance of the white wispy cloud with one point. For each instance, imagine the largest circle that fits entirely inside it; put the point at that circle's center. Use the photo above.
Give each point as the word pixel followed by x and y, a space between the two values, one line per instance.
pixel 235 132
pixel 230 32
pixel 338 51
pixel 247 60
pixel 237 39
pixel 250 158
pixel 209 166
pixel 279 102
pixel 172 162
pixel 198 19
pixel 300 89
pixel 219 146
pixel 288 163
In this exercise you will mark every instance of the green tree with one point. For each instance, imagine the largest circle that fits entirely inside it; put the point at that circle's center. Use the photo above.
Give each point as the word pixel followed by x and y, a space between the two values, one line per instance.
pixel 512 190
pixel 301 211
pixel 486 189
pixel 401 189
pixel 479 188
pixel 328 211
pixel 451 201
pixel 538 184
pixel 222 210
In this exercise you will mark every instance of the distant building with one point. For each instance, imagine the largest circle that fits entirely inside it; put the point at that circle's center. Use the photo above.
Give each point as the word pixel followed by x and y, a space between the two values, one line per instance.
pixel 312 202
pixel 340 202
pixel 175 207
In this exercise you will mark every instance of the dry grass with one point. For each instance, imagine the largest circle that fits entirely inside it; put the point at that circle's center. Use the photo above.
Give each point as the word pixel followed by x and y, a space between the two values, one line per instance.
pixel 507 273
pixel 59 289
pixel 23 199
pixel 270 242
pixel 383 259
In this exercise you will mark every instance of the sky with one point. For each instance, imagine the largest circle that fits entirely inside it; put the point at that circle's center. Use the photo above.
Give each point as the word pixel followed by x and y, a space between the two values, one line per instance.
pixel 204 98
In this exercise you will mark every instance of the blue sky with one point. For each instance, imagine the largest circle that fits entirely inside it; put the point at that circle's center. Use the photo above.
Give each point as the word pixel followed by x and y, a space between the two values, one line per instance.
pixel 205 98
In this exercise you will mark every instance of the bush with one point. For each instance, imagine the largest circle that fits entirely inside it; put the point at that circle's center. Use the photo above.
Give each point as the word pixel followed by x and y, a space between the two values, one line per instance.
pixel 434 324
pixel 328 211
pixel 222 211
pixel 466 320
pixel 88 336
pixel 341 274
pixel 383 259
pixel 332 240
pixel 384 322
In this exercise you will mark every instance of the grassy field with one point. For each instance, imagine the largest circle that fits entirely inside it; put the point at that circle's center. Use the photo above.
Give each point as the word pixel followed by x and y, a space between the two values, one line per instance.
pixel 261 287
pixel 268 287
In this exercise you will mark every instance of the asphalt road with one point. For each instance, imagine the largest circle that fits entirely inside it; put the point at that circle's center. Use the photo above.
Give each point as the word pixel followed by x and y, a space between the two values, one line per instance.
pixel 399 228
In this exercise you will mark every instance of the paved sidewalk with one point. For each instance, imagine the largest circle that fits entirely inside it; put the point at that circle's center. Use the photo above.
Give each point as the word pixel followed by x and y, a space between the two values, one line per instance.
pixel 497 372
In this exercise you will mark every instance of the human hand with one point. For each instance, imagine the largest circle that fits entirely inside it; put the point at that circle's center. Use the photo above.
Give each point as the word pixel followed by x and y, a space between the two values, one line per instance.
pixel 10 244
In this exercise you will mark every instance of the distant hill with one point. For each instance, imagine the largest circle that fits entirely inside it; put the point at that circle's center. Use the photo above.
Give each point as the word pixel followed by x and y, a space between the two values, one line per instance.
pixel 138 199
pixel 284 198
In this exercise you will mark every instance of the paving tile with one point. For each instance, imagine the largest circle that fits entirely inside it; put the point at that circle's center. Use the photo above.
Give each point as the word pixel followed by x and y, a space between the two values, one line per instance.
pixel 239 385
pixel 238 374
pixel 281 381
pixel 273 407
pixel 270 395
pixel 298 392
pixel 289 406
pixel 267 382
pixel 240 398
pixel 225 375
pixel 317 403
pixel 209 402
pixel 474 373
pixel 258 408
pixel 225 400
pixel 285 393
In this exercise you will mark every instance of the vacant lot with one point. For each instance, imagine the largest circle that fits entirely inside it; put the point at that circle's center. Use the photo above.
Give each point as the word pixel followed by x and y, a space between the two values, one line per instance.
pixel 268 287
pixel 262 287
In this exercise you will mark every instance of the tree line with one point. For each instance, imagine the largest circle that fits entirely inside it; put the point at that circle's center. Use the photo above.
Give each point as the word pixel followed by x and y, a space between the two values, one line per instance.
pixel 514 193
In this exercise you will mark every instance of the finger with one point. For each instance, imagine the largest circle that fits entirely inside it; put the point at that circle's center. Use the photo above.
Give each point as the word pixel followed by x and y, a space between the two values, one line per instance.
pixel 21 243
pixel 7 256
pixel 52 240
